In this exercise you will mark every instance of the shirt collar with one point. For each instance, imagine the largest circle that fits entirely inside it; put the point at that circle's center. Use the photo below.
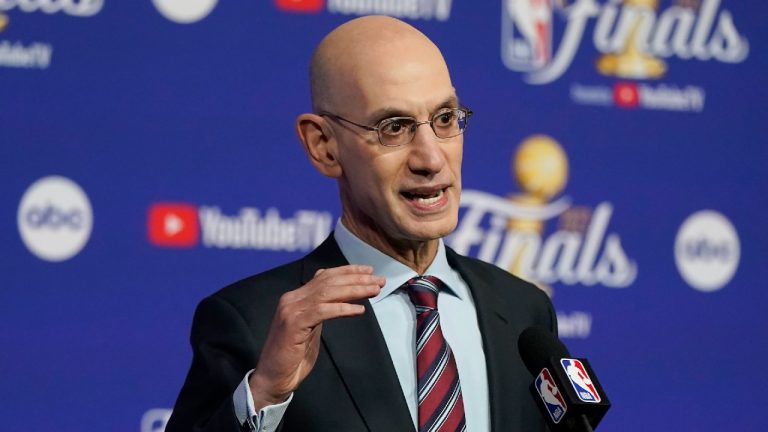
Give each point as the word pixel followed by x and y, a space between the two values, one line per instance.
pixel 357 251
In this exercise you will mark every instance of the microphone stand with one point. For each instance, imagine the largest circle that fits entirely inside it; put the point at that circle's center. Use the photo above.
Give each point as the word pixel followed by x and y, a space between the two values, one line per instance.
pixel 585 423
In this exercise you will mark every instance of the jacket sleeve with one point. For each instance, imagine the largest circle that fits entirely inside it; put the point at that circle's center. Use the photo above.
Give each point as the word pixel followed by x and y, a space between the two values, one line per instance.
pixel 224 350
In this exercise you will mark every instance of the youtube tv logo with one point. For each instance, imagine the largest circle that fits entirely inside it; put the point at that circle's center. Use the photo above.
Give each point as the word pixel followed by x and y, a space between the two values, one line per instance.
pixel 626 95
pixel 305 6
pixel 173 225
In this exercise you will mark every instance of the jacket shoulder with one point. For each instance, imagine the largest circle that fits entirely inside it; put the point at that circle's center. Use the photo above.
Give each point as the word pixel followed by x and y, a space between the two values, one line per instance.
pixel 261 291
pixel 259 294
pixel 496 275
pixel 524 300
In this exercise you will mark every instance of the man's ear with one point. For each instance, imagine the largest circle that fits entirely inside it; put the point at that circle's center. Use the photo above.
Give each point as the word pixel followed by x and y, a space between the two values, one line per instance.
pixel 320 143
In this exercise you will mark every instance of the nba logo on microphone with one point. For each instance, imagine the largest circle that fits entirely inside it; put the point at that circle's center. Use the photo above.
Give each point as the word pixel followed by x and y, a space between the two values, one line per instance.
pixel 551 395
pixel 526 34
pixel 580 380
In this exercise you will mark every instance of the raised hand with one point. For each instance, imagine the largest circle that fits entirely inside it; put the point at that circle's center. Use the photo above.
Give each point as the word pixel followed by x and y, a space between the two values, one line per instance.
pixel 293 341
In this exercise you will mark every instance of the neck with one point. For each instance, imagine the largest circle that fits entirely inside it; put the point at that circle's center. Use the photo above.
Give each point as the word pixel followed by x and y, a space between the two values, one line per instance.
pixel 416 254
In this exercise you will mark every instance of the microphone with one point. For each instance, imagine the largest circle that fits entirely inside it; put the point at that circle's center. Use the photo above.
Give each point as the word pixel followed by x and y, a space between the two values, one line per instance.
pixel 565 389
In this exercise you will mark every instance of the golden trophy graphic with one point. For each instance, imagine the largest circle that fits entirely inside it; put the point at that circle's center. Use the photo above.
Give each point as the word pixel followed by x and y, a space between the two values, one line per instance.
pixel 633 62
pixel 540 167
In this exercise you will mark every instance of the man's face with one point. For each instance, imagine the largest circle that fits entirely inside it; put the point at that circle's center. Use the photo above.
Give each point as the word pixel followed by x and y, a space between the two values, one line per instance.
pixel 407 193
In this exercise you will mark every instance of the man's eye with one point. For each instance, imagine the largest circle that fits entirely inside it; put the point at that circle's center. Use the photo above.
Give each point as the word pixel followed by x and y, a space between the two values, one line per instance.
pixel 395 126
pixel 445 118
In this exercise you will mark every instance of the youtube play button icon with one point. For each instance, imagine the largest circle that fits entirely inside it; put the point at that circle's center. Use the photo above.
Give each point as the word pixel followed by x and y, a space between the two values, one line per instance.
pixel 173 225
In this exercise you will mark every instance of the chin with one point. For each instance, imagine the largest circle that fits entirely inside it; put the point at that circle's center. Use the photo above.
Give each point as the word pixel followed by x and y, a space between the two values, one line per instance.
pixel 433 230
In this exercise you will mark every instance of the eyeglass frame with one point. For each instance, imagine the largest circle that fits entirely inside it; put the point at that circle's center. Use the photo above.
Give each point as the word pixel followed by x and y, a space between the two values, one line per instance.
pixel 377 128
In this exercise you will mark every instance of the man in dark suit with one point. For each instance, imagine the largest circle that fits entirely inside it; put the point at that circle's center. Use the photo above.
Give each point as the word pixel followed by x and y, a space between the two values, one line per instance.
pixel 338 339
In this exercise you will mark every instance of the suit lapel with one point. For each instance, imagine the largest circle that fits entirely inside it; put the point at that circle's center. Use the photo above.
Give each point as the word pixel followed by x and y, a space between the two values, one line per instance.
pixel 357 348
pixel 499 328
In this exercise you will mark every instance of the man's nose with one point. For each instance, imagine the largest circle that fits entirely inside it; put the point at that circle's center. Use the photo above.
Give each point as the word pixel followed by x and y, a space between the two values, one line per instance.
pixel 426 153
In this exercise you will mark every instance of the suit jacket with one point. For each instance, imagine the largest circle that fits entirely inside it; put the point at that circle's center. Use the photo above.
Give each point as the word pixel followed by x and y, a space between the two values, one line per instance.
pixel 353 386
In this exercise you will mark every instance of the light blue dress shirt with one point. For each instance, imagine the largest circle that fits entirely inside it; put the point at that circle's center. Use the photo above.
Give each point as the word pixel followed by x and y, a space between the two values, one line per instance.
pixel 397 319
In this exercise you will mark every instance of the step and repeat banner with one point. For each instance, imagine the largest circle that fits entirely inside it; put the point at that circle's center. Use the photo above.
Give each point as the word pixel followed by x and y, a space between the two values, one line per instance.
pixel 616 158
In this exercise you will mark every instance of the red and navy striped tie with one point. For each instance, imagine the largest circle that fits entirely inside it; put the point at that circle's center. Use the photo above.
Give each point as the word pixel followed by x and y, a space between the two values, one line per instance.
pixel 441 406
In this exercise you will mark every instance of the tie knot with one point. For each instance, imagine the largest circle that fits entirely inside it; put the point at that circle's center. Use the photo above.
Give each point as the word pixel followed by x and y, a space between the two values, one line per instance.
pixel 423 292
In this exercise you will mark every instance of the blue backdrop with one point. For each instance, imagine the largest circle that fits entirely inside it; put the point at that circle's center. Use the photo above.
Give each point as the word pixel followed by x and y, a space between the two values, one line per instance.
pixel 615 158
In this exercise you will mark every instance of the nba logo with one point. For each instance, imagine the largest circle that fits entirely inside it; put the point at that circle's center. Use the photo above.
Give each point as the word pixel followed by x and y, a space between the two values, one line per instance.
pixel 580 380
pixel 526 34
pixel 551 396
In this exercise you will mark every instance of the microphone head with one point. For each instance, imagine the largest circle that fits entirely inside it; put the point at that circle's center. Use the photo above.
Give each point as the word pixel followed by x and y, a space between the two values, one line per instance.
pixel 536 346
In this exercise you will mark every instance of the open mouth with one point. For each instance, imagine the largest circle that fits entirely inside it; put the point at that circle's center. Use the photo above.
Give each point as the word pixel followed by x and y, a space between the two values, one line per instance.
pixel 424 198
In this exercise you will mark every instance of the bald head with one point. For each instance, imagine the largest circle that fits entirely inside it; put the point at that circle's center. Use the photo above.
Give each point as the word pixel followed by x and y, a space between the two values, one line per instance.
pixel 353 54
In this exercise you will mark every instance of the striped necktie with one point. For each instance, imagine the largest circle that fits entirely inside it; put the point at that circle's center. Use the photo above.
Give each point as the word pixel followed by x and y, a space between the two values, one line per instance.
pixel 441 406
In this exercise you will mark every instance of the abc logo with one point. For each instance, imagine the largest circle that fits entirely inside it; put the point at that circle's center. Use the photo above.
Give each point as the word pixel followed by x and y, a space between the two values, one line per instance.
pixel 155 420
pixel 707 250
pixel 55 218
pixel 185 11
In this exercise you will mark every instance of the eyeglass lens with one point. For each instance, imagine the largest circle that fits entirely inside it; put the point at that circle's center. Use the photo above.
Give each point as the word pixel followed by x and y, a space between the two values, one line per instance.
pixel 401 130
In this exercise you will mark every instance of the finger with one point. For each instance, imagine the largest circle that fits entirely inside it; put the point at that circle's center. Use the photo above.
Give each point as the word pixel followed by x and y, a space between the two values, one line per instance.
pixel 325 287
pixel 347 279
pixel 343 293
pixel 328 311
pixel 354 288
pixel 308 315
pixel 326 281
pixel 346 269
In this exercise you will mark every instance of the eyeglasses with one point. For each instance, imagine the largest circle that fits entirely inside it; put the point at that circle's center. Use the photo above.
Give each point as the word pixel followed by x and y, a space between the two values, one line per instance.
pixel 398 131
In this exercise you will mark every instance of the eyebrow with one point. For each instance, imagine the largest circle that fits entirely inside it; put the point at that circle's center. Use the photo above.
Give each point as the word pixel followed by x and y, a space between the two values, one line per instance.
pixel 389 112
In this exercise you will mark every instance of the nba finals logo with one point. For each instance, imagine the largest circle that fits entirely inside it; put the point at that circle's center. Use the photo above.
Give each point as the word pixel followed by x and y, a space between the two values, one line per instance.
pixel 541 37
pixel 528 27
pixel 514 231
